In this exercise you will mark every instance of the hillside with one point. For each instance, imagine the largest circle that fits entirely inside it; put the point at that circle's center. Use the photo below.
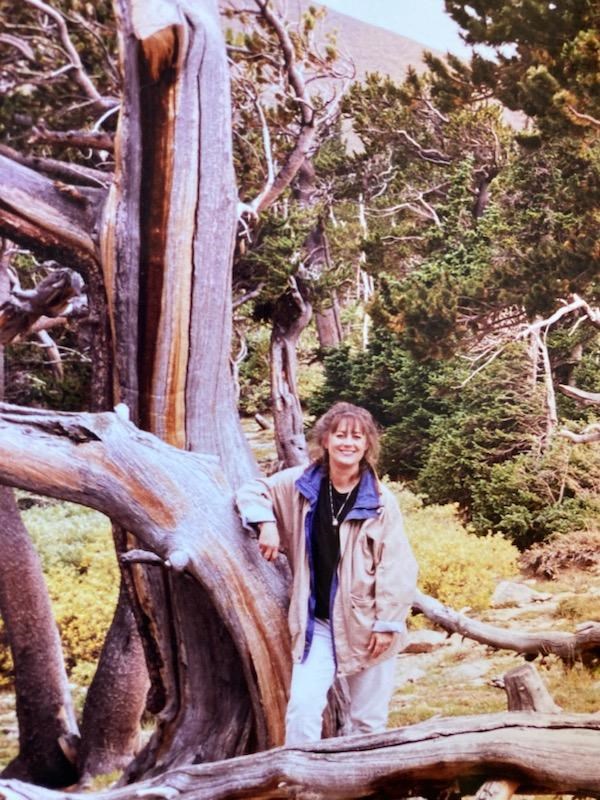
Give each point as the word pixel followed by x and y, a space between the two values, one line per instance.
pixel 371 48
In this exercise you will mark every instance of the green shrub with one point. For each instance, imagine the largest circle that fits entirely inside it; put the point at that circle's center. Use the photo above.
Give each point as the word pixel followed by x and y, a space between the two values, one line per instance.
pixel 456 566
pixel 531 498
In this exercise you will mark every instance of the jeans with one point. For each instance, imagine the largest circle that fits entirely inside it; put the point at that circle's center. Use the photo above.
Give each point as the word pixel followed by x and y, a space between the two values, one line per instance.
pixel 370 692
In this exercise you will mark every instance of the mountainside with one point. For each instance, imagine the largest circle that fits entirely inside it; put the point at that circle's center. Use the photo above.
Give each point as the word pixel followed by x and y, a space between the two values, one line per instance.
pixel 369 47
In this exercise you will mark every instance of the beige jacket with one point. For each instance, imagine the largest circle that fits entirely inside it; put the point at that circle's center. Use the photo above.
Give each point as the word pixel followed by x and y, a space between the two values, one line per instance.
pixel 376 576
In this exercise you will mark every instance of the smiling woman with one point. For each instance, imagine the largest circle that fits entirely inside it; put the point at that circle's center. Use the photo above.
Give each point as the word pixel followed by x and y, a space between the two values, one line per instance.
pixel 354 575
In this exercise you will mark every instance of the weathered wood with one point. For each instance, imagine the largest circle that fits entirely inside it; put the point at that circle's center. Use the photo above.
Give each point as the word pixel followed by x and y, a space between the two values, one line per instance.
pixel 168 274
pixel 59 294
pixel 587 398
pixel 291 315
pixel 544 753
pixel 567 646
pixel 46 215
pixel 43 700
pixel 115 700
pixel 525 692
pixel 225 685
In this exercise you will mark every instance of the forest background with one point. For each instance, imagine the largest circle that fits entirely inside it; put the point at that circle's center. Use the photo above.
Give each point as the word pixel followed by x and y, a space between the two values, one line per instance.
pixel 420 257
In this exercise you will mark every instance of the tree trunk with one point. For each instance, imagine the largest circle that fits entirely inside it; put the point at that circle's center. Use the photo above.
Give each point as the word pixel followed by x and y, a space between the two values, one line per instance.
pixel 291 316
pixel 169 279
pixel 223 668
pixel 329 325
pixel 116 699
pixel 47 728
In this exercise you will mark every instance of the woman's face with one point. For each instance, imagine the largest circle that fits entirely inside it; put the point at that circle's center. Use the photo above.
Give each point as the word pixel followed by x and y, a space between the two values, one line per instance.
pixel 346 445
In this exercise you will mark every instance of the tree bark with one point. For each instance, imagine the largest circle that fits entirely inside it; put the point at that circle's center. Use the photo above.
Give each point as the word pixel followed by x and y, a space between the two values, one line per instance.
pixel 224 669
pixel 544 753
pixel 291 316
pixel 329 325
pixel 47 726
pixel 51 218
pixel 116 699
pixel 525 691
pixel 48 734
pixel 169 279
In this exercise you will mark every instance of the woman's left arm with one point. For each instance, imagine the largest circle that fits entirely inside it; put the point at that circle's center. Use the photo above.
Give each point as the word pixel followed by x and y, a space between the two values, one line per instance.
pixel 395 572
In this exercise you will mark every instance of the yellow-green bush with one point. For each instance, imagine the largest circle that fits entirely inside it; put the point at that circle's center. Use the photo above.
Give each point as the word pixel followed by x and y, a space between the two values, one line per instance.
pixel 456 566
pixel 79 564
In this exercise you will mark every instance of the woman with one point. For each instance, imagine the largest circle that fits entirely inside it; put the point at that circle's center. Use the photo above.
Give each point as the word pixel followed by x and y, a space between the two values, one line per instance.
pixel 354 575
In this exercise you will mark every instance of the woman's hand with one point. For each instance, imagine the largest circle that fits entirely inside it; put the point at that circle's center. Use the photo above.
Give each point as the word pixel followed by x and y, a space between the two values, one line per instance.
pixel 379 643
pixel 268 540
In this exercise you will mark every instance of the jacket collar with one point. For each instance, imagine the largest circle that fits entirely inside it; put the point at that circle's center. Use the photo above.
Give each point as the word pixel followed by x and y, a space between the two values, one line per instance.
pixel 367 501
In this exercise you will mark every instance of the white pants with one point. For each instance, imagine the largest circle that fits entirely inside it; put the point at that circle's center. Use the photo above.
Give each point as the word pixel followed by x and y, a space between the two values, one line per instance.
pixel 370 692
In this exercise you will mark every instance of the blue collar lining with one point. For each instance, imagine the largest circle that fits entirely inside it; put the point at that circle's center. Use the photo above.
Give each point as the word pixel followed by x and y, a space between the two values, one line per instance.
pixel 367 501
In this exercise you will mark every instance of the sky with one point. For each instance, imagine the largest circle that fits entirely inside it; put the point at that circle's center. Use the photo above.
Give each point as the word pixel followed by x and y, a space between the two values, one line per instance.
pixel 422 20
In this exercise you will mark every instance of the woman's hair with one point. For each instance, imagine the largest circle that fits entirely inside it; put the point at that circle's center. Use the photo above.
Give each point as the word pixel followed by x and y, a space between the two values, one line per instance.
pixel 355 416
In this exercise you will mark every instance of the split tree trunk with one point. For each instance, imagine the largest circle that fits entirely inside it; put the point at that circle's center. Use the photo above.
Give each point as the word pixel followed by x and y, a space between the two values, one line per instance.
pixel 169 278
pixel 166 244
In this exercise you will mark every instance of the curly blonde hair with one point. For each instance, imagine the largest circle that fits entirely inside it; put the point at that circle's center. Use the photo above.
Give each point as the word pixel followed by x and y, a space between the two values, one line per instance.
pixel 331 420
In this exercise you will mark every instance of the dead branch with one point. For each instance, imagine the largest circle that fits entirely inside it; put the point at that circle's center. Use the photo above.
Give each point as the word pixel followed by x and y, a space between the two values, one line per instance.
pixel 96 140
pixel 75 174
pixel 52 352
pixel 75 63
pixel 40 215
pixel 525 691
pixel 59 294
pixel 309 122
pixel 589 434
pixel 587 398
pixel 569 647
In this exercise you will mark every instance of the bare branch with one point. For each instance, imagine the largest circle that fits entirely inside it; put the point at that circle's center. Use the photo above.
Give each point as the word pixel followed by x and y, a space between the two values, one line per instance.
pixel 75 174
pixel 587 436
pixel 76 65
pixel 53 353
pixel 18 44
pixel 584 117
pixel 239 301
pixel 96 140
pixel 427 154
pixel 59 294
pixel 587 398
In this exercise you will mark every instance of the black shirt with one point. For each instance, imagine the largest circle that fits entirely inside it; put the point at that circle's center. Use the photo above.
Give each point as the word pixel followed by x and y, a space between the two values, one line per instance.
pixel 325 541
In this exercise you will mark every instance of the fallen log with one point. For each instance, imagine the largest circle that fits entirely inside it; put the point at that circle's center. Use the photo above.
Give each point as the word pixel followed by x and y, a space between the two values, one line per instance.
pixel 569 647
pixel 543 753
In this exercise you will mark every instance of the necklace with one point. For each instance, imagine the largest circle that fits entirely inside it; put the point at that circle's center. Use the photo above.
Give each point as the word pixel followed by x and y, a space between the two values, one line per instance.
pixel 335 518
